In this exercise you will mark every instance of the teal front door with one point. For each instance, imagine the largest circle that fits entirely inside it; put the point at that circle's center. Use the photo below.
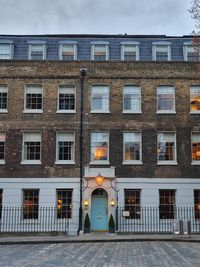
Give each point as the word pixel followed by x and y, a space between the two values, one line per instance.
pixel 99 217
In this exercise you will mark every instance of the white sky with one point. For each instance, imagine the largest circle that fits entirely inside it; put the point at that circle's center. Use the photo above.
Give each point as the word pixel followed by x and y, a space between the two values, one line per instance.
pixel 170 17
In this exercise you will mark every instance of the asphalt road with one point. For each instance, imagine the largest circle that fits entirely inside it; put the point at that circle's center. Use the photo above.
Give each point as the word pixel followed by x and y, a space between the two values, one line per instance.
pixel 115 254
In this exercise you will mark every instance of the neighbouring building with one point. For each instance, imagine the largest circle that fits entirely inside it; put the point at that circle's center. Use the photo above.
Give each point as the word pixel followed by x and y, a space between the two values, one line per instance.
pixel 139 128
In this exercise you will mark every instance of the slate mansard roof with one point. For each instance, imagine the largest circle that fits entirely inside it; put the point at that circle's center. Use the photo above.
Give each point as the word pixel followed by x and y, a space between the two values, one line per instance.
pixel 84 41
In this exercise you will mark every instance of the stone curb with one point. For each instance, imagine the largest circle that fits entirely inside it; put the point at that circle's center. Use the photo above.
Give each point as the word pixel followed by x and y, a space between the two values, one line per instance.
pixel 31 242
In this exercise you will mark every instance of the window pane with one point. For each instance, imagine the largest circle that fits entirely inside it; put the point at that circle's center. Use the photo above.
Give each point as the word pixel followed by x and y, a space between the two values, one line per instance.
pixel 166 147
pixel 132 146
pixel 99 146
pixel 99 52
pixel 34 97
pixel 32 146
pixel 100 98
pixel 67 52
pixel 196 146
pixel 161 52
pixel 2 146
pixel 64 203
pixel 37 51
pixel 65 146
pixel 30 203
pixel 132 202
pixel 1 201
pixel 167 204
pixel 130 52
pixel 5 51
pixel 165 98
pixel 194 98
pixel 132 98
pixel 192 53
pixel 197 204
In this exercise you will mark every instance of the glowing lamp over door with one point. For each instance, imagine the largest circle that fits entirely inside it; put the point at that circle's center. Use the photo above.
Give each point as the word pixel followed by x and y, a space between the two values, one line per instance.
pixel 99 179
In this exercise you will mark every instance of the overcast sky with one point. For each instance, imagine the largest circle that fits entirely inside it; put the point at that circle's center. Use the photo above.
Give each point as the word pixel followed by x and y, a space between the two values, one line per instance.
pixel 170 17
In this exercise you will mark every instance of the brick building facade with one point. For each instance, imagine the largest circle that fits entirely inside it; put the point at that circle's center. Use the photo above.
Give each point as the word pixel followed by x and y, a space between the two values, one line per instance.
pixel 141 131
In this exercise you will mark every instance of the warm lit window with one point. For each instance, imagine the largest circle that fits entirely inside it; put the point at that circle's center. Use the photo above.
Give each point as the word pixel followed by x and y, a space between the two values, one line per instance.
pixel 2 147
pixel 166 148
pixel 195 99
pixel 100 99
pixel 132 202
pixel 1 202
pixel 66 99
pixel 190 52
pixel 30 203
pixel 100 51
pixel 31 148
pixel 33 99
pixel 6 51
pixel 161 52
pixel 3 98
pixel 68 51
pixel 65 148
pixel 167 204
pixel 129 52
pixel 197 204
pixel 37 51
pixel 131 99
pixel 99 147
pixel 196 148
pixel 132 148
pixel 64 203
pixel 165 99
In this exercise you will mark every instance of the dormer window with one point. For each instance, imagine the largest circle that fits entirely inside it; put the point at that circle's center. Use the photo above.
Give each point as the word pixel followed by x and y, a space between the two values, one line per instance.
pixel 6 49
pixel 67 50
pixel 190 52
pixel 100 51
pixel 130 51
pixel 161 51
pixel 37 50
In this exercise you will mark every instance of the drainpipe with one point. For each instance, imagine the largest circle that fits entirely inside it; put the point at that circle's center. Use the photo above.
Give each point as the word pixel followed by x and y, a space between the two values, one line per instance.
pixel 83 72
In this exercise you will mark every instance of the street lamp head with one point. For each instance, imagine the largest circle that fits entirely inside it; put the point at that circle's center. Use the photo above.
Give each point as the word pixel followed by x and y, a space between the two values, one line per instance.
pixel 83 71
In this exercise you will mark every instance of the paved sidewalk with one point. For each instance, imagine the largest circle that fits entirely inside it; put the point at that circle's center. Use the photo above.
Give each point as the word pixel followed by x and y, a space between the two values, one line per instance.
pixel 93 238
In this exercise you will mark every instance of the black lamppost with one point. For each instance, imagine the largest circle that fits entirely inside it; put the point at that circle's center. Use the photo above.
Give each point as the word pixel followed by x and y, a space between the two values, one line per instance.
pixel 83 72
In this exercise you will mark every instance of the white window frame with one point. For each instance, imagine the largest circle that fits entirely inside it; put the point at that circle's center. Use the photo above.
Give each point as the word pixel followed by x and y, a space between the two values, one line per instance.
pixel 133 87
pixel 108 94
pixel 93 44
pixel 43 45
pixel 173 111
pixel 65 139
pixel 194 162
pixel 132 162
pixel 3 134
pixel 194 111
pixel 167 162
pixel 61 44
pixel 4 89
pixel 11 48
pixel 133 44
pixel 155 46
pixel 69 89
pixel 37 86
pixel 36 138
pixel 99 162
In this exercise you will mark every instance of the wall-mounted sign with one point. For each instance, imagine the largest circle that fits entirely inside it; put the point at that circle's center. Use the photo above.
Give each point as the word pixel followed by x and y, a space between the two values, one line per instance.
pixel 125 213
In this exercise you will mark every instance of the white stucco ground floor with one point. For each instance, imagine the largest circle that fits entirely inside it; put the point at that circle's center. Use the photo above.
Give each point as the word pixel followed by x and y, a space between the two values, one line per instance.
pixel 36 199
